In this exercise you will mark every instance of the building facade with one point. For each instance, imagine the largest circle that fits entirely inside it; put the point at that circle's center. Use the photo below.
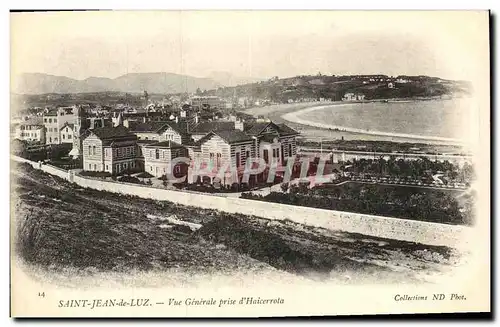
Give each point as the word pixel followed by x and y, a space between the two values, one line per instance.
pixel 158 158
pixel 31 130
pixel 110 149
pixel 223 151
pixel 67 133
pixel 161 131
pixel 54 120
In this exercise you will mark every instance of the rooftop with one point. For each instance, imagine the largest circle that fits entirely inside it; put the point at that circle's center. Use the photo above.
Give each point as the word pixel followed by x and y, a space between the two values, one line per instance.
pixel 112 132
pixel 257 128
pixel 157 127
pixel 67 124
pixel 51 112
pixel 165 144
pixel 209 126
pixel 33 121
pixel 232 136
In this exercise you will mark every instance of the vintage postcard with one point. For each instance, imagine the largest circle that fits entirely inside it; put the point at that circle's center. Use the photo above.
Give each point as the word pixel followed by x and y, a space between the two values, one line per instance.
pixel 249 163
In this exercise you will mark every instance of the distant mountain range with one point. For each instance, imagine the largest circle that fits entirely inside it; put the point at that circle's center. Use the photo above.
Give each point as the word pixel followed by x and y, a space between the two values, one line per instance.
pixel 37 83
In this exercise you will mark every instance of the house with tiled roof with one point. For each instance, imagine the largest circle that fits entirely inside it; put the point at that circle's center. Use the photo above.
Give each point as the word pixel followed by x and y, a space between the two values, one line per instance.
pixel 67 133
pixel 273 140
pixel 32 130
pixel 158 157
pixel 224 148
pixel 201 129
pixel 110 149
pixel 54 120
pixel 161 131
pixel 232 143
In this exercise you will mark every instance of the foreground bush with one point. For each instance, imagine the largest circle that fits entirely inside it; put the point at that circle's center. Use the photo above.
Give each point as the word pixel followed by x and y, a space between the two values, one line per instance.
pixel 102 174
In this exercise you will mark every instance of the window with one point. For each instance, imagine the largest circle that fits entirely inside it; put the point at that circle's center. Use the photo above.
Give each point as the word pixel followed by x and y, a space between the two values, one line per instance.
pixel 128 151
pixel 45 120
pixel 238 159
pixel 50 120
pixel 219 156
pixel 247 155
pixel 151 168
pixel 95 167
pixel 64 137
pixel 93 149
pixel 146 138
pixel 107 168
pixel 118 152
pixel 157 154
pixel 69 137
pixel 289 149
pixel 50 139
pixel 90 167
pixel 266 155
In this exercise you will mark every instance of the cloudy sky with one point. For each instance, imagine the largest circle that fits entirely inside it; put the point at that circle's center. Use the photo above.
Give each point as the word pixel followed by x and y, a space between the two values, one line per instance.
pixel 249 43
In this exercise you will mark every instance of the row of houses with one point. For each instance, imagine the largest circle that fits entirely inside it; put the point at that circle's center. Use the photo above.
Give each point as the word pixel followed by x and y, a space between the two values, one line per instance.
pixel 153 146
pixel 54 126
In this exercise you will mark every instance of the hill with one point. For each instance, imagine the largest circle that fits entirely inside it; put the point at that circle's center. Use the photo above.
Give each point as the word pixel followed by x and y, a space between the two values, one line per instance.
pixel 227 79
pixel 37 83
pixel 335 87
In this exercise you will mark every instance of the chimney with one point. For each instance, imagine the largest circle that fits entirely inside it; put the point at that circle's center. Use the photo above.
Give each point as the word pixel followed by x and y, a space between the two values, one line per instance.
pixel 238 124
pixel 118 120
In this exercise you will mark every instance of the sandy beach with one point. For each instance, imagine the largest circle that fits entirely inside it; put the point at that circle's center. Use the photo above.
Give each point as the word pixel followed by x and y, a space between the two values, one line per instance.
pixel 289 113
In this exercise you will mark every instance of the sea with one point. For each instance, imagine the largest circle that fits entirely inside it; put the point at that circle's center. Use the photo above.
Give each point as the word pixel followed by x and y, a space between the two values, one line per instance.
pixel 453 118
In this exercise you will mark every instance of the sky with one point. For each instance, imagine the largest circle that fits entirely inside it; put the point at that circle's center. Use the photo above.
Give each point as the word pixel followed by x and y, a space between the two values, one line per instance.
pixel 258 44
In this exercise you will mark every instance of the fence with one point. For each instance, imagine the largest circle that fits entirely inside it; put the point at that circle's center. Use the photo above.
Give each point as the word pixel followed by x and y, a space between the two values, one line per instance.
pixel 384 227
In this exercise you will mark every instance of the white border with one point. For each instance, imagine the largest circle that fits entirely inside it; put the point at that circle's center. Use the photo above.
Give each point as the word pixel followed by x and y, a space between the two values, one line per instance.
pixel 198 4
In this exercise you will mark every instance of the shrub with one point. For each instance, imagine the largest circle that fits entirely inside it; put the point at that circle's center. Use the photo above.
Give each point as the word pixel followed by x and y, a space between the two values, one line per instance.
pixel 101 174
pixel 129 179
pixel 144 174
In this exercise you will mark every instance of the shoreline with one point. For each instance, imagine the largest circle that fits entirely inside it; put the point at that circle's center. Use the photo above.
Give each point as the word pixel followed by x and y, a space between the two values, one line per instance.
pixel 293 118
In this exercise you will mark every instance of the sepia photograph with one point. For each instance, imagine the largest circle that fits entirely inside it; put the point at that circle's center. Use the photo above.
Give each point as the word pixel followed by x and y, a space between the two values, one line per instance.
pixel 249 163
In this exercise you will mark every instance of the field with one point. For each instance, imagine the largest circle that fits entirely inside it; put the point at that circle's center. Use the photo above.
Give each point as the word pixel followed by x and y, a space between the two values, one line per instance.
pixel 59 226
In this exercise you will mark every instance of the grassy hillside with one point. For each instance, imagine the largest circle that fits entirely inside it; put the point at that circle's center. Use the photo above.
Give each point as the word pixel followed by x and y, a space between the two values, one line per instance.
pixel 59 225
pixel 335 87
